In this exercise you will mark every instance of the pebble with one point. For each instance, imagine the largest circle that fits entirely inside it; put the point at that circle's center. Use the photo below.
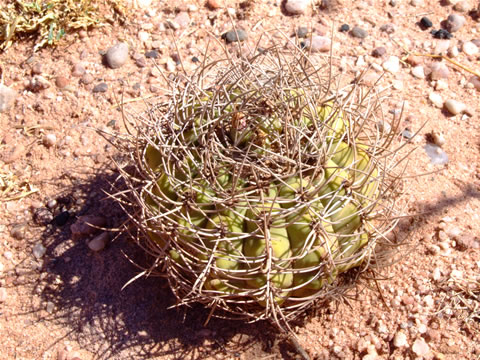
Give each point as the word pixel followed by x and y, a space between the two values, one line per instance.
pixel 117 55
pixel 441 34
pixel 82 225
pixel 61 82
pixel 50 307
pixel 141 62
pixel 78 70
pixel 42 216
pixel 152 54
pixel 182 20
pixel 87 79
pixel 319 43
pixel 296 7
pixel 467 241
pixel 400 339
pixel 3 295
pixel 442 47
pixel 379 52
pixel 38 83
pixel 18 231
pixel 441 85
pixel 213 4
pixel 416 3
pixel 418 72
pixel 39 251
pixel 387 28
pixel 344 28
pixel 425 23
pixel 439 71
pixel 462 6
pixel 437 274
pixel 454 22
pixel 470 48
pixel 453 52
pixel 436 154
pixel 359 33
pixel 436 99
pixel 49 140
pixel 235 35
pixel 99 242
pixel 302 32
pixel 454 107
pixel 420 347
pixel 437 138
pixel 37 68
pixel 392 64
pixel 100 88
pixel 7 98
pixel 475 81
pixel 407 134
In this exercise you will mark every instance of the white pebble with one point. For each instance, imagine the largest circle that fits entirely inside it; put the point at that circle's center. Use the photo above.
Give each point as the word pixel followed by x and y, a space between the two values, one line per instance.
pixel 453 52
pixel 418 72
pixel 441 85
pixel 117 55
pixel 420 347
pixel 437 274
pixel 438 138
pixel 99 242
pixel 392 64
pixel 436 99
pixel 400 340
pixel 470 48
pixel 39 251
pixel 455 107
pixel 296 7
pixel 319 43
pixel 49 140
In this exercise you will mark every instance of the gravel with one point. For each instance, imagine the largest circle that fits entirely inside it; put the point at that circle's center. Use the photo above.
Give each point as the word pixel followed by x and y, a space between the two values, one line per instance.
pixel 318 43
pixel 235 35
pixel 469 48
pixel 420 347
pixel 454 22
pixel 454 107
pixel 400 339
pixel 418 72
pixel 379 52
pixel 425 23
pixel 152 54
pixel 99 242
pixel 392 64
pixel 439 71
pixel 344 28
pixel 441 34
pixel 39 250
pixel 100 88
pixel 296 7
pixel 117 55
pixel 358 32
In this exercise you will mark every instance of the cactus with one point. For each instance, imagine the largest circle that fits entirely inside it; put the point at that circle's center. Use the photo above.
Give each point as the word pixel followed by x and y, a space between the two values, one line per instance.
pixel 263 190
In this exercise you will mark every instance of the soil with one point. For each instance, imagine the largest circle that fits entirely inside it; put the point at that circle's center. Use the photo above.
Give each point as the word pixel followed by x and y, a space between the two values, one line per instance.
pixel 70 302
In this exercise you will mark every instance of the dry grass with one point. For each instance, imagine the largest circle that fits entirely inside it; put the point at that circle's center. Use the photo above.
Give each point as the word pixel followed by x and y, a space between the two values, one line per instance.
pixel 13 188
pixel 49 21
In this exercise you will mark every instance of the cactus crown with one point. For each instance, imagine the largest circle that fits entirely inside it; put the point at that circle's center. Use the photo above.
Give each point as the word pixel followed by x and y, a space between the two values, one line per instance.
pixel 260 185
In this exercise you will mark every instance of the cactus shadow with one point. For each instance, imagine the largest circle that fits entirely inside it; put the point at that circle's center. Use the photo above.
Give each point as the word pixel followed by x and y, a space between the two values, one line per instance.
pixel 137 322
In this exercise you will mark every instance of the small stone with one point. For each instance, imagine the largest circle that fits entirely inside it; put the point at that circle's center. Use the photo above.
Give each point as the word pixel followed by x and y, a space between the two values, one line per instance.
pixel 100 88
pixel 152 54
pixel 393 2
pixel 39 251
pixel 425 23
pixel 358 32
pixel 387 28
pixel 400 339
pixel 213 4
pixel 441 34
pixel 470 48
pixel 195 59
pixel 476 42
pixel 18 231
pixel 61 82
pixel 50 307
pixel 414 60
pixel 476 82
pixel 379 52
pixel 318 43
pixel 454 107
pixel 49 140
pixel 99 242
pixel 7 98
pixel 462 6
pixel 296 7
pixel 235 35
pixel 454 22
pixel 3 295
pixel 467 241
pixel 302 32
pixel 78 70
pixel 143 36
pixel 38 83
pixel 87 79
pixel 439 71
pixel 392 64
pixel 437 138
pixel 170 65
pixel 182 19
pixel 436 99
pixel 407 134
pixel 344 28
pixel 420 347
pixel 441 85
pixel 437 274
pixel 453 52
pixel 37 68
pixel 416 3
pixel 42 216
pixel 117 55
pixel 141 62
pixel 418 72
pixel 442 47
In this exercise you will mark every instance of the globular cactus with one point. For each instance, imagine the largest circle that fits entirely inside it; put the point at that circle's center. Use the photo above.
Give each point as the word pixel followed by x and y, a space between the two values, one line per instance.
pixel 260 189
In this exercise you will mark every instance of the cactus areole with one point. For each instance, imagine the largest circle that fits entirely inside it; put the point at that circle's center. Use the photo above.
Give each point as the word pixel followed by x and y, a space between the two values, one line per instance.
pixel 260 187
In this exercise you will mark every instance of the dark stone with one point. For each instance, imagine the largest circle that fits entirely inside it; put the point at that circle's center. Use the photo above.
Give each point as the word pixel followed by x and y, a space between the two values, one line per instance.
pixel 302 32
pixel 379 52
pixel 152 54
pixel 235 35
pixel 441 34
pixel 100 88
pixel 62 218
pixel 195 59
pixel 344 28
pixel 425 23
pixel 388 28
